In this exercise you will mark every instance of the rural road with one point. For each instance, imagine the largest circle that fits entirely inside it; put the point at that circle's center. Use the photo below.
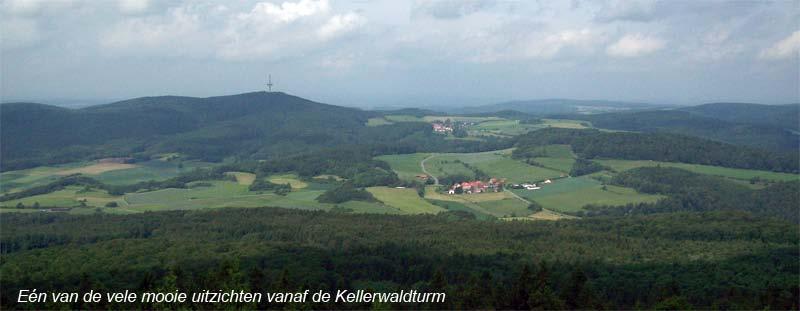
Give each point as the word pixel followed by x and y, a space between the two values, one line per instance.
pixel 422 165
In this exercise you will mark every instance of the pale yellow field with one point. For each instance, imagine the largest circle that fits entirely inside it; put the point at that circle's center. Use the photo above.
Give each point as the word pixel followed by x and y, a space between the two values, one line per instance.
pixel 325 176
pixel 430 193
pixel 291 179
pixel 543 215
pixel 97 168
pixel 243 178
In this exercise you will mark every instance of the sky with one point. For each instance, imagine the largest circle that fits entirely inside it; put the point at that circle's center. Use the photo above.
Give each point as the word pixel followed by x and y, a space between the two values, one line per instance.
pixel 376 53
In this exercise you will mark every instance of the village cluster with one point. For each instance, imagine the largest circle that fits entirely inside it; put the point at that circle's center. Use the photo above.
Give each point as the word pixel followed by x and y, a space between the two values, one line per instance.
pixel 477 186
pixel 449 127
pixel 493 185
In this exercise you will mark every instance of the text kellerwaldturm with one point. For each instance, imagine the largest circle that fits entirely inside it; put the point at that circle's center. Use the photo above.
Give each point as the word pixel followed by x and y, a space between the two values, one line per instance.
pixel 232 296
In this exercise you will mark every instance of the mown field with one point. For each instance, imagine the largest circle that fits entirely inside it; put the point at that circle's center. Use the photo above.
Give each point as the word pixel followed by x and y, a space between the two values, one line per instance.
pixel 407 166
pixel 744 174
pixel 505 127
pixel 406 201
pixel 498 164
pixel 109 173
pixel 573 193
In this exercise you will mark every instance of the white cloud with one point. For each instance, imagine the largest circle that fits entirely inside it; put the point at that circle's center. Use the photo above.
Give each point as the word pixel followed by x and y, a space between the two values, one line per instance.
pixel 175 33
pixel 633 45
pixel 133 6
pixel 786 48
pixel 340 24
pixel 288 12
pixel 261 31
pixel 554 43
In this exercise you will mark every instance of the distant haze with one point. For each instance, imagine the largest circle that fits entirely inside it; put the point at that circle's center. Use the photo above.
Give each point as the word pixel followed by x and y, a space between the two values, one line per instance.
pixel 387 53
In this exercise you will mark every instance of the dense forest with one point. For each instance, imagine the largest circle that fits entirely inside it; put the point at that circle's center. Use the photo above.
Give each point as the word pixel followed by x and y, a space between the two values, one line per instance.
pixel 708 260
pixel 702 122
pixel 687 191
pixel 658 147
pixel 786 116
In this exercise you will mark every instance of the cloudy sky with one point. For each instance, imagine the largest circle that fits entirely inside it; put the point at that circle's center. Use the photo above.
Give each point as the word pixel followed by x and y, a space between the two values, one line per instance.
pixel 376 53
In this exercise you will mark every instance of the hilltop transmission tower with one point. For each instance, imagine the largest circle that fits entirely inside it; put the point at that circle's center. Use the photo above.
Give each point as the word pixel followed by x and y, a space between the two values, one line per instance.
pixel 269 84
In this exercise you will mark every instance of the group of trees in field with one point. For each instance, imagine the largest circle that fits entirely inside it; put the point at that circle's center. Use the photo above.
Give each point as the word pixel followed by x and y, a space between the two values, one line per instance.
pixel 595 263
pixel 666 147
pixel 345 192
pixel 585 167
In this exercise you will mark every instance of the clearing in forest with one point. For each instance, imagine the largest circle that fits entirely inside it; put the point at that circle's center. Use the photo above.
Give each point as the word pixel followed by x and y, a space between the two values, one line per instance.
pixel 243 178
pixel 291 179
pixel 97 168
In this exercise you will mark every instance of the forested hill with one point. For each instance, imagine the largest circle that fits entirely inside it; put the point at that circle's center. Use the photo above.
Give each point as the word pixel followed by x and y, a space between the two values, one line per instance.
pixel 765 136
pixel 786 116
pixel 558 106
pixel 35 134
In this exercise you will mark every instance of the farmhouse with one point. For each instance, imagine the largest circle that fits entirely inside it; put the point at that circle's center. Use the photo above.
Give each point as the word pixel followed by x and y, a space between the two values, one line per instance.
pixel 442 128
pixel 477 186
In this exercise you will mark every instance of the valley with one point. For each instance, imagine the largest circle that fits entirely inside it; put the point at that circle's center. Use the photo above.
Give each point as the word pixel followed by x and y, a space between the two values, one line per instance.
pixel 311 185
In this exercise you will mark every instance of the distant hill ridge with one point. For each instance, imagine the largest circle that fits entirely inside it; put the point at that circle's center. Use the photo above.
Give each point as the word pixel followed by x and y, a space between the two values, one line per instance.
pixel 192 125
pixel 559 106
pixel 786 116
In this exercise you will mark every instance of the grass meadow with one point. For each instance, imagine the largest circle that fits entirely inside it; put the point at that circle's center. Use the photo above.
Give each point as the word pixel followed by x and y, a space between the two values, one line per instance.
pixel 572 194
pixel 623 165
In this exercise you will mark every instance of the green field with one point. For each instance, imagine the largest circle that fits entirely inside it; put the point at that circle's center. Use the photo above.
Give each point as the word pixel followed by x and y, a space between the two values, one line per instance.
pixel 497 204
pixel 243 178
pixel 378 122
pixel 143 171
pixel 559 164
pixel 503 128
pixel 623 165
pixel 405 200
pixel 290 179
pixel 460 119
pixel 442 165
pixel 499 164
pixel 406 166
pixel 403 118
pixel 508 207
pixel 571 194
pixel 563 123
pixel 67 197
pixel 557 151
pixel 23 179
pixel 150 170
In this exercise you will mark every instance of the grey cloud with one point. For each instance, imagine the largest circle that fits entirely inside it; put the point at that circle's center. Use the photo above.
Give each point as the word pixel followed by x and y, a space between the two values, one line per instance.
pixel 450 9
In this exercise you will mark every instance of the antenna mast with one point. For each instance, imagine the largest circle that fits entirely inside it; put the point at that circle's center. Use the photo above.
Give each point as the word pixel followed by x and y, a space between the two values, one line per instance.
pixel 269 84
